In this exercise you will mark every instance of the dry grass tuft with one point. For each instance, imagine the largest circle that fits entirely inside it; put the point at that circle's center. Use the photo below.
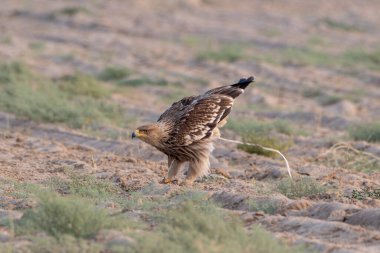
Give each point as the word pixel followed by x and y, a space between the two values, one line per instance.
pixel 343 155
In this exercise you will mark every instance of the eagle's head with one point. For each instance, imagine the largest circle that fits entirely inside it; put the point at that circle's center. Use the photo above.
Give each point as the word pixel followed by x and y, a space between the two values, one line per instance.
pixel 151 134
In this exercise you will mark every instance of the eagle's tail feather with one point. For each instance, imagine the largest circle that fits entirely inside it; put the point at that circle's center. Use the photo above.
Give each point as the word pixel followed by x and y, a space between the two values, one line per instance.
pixel 244 82
pixel 233 90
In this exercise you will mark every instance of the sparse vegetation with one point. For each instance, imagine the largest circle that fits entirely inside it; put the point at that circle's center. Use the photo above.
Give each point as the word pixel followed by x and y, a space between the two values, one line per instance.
pixel 65 243
pixel 74 102
pixel 226 53
pixel 326 100
pixel 85 186
pixel 366 193
pixel 343 26
pixel 303 187
pixel 82 84
pixel 64 215
pixel 266 206
pixel 37 46
pixel 195 228
pixel 344 155
pixel 366 131
pixel 114 73
pixel 185 222
pixel 72 11
pixel 363 58
pixel 312 93
pixel 135 82
pixel 262 134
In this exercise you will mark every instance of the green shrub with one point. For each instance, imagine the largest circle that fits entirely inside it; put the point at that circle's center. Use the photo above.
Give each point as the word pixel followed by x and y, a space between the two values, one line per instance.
pixel 303 187
pixel 366 131
pixel 366 193
pixel 85 186
pixel 13 72
pixel 37 98
pixel 204 227
pixel 339 25
pixel 83 84
pixel 362 58
pixel 114 73
pixel 72 11
pixel 64 215
pixel 226 53
pixel 135 82
pixel 312 93
pixel 265 141
pixel 262 134
pixel 266 206
pixel 327 100
pixel 65 243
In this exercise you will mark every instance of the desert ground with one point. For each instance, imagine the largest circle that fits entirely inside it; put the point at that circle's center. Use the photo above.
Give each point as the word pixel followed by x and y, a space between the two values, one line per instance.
pixel 77 77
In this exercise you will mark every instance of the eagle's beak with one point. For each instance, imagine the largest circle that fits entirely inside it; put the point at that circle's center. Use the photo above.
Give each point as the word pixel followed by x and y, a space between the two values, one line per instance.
pixel 135 134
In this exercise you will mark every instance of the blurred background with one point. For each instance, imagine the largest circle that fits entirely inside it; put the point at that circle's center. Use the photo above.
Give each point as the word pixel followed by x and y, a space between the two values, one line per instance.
pixel 91 64
pixel 77 77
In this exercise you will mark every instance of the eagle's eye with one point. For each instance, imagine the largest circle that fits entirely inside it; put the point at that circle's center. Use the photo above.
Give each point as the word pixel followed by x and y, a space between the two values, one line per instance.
pixel 144 131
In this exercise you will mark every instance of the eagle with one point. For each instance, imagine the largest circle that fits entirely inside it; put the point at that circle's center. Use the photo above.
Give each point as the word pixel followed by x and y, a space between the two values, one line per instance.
pixel 184 132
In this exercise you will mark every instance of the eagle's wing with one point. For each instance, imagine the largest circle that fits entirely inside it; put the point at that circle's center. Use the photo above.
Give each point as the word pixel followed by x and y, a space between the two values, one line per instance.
pixel 197 119
pixel 176 108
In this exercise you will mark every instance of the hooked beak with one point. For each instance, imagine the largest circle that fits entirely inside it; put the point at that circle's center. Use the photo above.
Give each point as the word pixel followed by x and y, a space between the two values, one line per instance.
pixel 135 134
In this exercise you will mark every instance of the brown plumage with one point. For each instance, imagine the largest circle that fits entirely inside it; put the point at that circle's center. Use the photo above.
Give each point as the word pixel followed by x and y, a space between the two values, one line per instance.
pixel 184 132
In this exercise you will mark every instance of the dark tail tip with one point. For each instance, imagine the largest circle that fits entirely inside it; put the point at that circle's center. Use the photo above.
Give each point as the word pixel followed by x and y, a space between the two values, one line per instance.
pixel 244 82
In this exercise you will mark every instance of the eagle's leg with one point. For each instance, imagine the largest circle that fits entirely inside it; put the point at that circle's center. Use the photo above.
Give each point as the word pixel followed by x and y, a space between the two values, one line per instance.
pixel 197 168
pixel 174 166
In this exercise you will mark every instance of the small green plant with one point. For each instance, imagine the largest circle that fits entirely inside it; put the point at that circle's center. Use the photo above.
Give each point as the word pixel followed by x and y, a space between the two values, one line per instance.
pixel 265 141
pixel 312 93
pixel 83 84
pixel 64 215
pixel 361 57
pixel 204 227
pixel 226 53
pixel 73 10
pixel 14 72
pixel 339 25
pixel 303 187
pixel 366 193
pixel 74 101
pixel 135 82
pixel 6 40
pixel 271 32
pixel 85 186
pixel 266 206
pixel 316 40
pixel 114 73
pixel 65 243
pixel 366 131
pixel 299 56
pixel 262 134
pixel 327 100
pixel 37 46
pixel 244 126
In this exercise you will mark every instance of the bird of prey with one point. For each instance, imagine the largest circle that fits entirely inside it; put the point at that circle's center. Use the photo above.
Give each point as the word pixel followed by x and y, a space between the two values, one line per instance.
pixel 185 131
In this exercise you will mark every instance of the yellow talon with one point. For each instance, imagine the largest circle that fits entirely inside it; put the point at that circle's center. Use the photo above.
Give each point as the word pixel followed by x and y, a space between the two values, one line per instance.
pixel 168 181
